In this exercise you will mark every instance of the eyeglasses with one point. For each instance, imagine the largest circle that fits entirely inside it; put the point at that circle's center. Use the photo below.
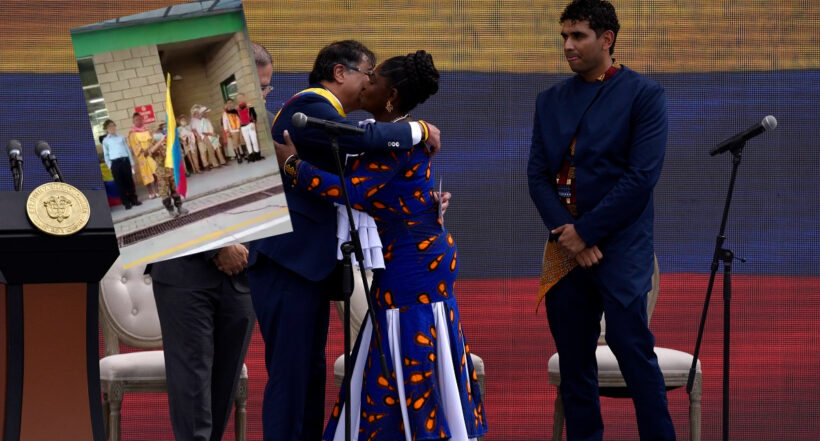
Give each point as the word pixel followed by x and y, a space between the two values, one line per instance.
pixel 369 73
pixel 267 88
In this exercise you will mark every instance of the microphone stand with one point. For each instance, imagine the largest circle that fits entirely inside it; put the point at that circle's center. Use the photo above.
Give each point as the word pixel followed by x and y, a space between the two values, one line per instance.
pixel 17 173
pixel 53 169
pixel 726 256
pixel 354 245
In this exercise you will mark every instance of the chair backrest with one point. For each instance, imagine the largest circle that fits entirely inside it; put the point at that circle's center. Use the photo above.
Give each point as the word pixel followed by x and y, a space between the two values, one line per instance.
pixel 652 298
pixel 128 312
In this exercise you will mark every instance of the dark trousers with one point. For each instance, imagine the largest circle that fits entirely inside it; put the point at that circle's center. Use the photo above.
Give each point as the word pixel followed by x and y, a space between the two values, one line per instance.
pixel 574 307
pixel 293 315
pixel 205 335
pixel 121 170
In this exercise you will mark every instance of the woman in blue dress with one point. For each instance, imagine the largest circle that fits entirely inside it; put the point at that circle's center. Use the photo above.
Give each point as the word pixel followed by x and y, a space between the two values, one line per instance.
pixel 437 396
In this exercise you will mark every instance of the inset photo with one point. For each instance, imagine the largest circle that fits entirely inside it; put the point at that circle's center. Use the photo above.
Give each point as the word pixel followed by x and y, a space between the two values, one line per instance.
pixel 182 134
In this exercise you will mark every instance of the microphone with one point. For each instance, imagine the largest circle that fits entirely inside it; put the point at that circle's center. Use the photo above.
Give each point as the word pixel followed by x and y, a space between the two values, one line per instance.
pixel 768 123
pixel 299 119
pixel 15 152
pixel 43 150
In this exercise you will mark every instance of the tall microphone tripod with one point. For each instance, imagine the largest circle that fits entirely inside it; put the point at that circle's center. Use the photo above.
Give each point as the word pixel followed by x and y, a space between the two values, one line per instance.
pixel 354 245
pixel 726 256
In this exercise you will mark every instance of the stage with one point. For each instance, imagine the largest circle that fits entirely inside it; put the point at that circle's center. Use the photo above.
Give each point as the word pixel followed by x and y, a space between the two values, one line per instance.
pixel 773 340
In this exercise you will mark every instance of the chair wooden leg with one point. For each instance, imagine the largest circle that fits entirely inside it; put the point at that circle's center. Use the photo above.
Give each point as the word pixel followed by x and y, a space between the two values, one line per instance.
pixel 558 417
pixel 106 409
pixel 240 418
pixel 694 408
pixel 115 403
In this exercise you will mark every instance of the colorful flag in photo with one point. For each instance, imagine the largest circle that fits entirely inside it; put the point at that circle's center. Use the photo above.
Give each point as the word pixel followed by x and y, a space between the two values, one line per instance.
pixel 173 154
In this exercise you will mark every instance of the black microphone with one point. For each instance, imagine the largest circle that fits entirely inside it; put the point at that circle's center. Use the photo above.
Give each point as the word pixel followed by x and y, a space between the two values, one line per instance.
pixel 768 123
pixel 49 161
pixel 15 152
pixel 299 119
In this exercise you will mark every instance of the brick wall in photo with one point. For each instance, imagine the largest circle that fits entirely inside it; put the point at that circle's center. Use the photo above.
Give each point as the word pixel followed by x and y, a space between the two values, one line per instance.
pixel 129 78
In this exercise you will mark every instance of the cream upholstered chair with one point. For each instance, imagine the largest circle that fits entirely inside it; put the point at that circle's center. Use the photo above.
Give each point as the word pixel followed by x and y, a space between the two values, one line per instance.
pixel 128 314
pixel 358 310
pixel 674 367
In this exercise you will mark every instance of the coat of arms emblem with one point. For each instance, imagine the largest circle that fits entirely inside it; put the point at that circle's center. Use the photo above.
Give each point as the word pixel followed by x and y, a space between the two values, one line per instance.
pixel 58 207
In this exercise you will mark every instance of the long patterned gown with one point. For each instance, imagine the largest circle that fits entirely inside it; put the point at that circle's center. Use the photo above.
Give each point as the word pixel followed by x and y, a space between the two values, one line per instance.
pixel 438 394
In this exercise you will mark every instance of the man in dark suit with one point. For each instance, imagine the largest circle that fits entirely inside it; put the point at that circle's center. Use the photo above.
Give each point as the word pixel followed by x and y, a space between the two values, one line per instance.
pixel 207 318
pixel 598 144
pixel 293 276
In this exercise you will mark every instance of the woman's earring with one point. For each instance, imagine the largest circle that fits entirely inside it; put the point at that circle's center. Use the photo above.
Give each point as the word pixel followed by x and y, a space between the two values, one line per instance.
pixel 389 106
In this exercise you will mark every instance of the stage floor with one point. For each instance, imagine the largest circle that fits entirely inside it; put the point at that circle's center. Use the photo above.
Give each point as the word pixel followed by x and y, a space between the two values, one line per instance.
pixel 774 377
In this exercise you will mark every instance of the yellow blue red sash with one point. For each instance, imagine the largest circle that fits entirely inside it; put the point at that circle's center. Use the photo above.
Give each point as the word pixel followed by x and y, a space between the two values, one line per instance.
pixel 324 93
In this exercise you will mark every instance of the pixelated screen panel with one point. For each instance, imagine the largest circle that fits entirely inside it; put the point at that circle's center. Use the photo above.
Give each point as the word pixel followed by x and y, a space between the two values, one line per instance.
pixel 724 66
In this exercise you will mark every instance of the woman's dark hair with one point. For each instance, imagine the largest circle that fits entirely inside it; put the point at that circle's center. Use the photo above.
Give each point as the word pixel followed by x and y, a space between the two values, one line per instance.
pixel 599 13
pixel 107 123
pixel 347 53
pixel 414 76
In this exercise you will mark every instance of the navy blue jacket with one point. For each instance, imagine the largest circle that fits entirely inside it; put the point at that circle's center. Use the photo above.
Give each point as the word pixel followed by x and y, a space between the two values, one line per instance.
pixel 310 250
pixel 618 158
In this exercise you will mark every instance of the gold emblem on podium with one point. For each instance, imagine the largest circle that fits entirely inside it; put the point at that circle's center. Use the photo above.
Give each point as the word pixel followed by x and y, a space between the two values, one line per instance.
pixel 58 209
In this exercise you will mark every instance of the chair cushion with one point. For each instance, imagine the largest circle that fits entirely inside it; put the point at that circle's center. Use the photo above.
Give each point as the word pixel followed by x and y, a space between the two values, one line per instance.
pixel 674 365
pixel 144 365
pixel 136 366
pixel 478 364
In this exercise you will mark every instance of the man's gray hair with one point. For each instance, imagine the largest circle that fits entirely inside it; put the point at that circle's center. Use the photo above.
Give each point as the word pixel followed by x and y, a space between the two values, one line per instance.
pixel 261 55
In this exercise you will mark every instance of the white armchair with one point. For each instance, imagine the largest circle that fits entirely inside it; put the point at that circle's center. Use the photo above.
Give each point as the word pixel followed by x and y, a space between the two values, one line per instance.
pixel 128 314
pixel 674 367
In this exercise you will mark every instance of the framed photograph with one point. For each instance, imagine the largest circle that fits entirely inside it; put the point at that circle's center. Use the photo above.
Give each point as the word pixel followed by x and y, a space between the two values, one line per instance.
pixel 178 116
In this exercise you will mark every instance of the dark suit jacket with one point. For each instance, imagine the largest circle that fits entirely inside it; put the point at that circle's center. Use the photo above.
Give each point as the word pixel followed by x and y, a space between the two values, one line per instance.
pixel 619 153
pixel 310 250
pixel 195 271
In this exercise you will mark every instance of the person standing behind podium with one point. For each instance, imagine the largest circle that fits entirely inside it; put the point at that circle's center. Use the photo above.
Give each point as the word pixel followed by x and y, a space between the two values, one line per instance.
pixel 120 161
pixel 293 276
pixel 598 144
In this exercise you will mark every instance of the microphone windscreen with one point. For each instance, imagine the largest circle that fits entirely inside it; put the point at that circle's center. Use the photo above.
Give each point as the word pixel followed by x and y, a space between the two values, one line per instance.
pixel 299 119
pixel 42 148
pixel 769 123
pixel 14 145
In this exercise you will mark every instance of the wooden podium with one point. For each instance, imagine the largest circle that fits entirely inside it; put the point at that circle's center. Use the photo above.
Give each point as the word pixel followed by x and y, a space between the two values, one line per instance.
pixel 49 356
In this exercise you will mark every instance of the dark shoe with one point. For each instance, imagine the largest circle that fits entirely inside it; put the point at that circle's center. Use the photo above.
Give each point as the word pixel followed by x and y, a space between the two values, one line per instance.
pixel 127 207
pixel 238 159
pixel 169 206
pixel 137 203
pixel 259 157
